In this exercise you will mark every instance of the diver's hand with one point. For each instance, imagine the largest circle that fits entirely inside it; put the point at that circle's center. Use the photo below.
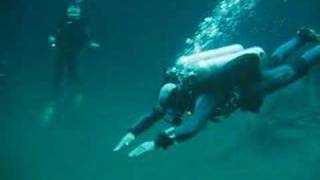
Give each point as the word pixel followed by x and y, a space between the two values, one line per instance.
pixel 52 41
pixel 94 45
pixel 143 148
pixel 125 141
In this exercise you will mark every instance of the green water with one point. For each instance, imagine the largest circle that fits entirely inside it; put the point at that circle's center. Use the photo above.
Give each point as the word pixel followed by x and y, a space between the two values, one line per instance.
pixel 139 39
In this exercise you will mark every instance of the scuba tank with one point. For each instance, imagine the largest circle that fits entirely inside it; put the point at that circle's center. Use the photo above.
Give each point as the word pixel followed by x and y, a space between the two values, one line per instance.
pixel 230 63
pixel 188 60
pixel 184 67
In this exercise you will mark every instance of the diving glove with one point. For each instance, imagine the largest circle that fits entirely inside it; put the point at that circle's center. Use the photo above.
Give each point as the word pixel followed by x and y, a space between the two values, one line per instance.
pixel 125 141
pixel 143 148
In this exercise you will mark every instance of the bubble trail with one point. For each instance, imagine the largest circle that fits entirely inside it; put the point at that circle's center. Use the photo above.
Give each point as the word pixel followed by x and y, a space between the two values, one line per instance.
pixel 219 26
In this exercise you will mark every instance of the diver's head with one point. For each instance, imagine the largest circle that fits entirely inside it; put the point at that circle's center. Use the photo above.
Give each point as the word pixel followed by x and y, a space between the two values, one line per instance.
pixel 74 12
pixel 173 98
pixel 167 93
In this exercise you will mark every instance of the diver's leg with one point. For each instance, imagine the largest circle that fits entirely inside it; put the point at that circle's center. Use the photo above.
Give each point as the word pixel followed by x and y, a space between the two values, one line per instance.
pixel 304 35
pixel 312 56
pixel 59 70
pixel 281 76
pixel 74 76
pixel 280 55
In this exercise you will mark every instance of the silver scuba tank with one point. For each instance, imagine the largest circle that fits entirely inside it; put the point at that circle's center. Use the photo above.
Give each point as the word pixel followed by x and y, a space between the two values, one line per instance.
pixel 192 71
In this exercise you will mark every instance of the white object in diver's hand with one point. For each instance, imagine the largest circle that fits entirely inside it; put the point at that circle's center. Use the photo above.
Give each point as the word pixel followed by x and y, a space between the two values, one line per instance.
pixel 143 148
pixel 125 141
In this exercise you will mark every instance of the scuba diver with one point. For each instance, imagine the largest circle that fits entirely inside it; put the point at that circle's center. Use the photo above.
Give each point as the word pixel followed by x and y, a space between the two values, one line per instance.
pixel 213 84
pixel 69 40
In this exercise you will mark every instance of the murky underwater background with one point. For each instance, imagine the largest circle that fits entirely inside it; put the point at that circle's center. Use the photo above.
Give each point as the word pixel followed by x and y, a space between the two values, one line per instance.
pixel 139 39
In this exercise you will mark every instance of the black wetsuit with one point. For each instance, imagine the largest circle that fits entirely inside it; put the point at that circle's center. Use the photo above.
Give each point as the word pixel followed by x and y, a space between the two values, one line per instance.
pixel 71 38
pixel 212 103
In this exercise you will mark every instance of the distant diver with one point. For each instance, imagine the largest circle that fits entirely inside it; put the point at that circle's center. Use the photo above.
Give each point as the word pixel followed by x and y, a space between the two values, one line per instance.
pixel 69 40
pixel 213 84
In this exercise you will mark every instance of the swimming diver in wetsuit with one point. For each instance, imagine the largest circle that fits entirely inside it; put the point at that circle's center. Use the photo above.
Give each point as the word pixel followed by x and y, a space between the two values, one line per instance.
pixel 69 41
pixel 241 85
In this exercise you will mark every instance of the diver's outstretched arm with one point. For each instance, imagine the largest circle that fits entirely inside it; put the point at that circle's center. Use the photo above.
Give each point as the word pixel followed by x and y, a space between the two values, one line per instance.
pixel 146 121
pixel 139 127
pixel 203 110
